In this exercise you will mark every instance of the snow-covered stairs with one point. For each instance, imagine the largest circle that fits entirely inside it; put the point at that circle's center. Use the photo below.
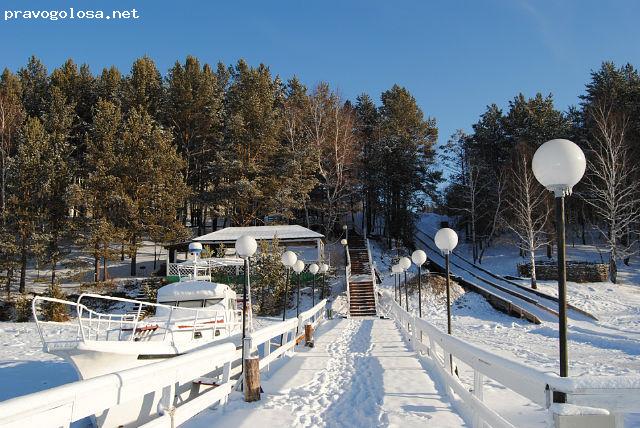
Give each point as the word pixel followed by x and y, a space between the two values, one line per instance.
pixel 361 290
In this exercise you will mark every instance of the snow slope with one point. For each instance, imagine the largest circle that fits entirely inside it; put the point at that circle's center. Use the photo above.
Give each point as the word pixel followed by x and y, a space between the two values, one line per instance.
pixel 359 374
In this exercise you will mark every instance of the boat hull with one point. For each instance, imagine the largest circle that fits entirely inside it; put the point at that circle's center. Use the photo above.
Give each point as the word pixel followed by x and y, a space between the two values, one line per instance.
pixel 91 359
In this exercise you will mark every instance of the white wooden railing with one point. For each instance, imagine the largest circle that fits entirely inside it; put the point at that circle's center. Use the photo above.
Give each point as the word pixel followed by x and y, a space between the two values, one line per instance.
pixel 347 275
pixel 618 395
pixel 62 405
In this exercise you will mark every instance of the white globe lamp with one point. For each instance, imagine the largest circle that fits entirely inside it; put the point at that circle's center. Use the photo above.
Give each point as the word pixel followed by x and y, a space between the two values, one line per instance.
pixel 559 165
pixel 446 240
pixel 246 246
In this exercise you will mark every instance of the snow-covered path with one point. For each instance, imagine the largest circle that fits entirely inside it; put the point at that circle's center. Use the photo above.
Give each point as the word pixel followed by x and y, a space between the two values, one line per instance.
pixel 359 374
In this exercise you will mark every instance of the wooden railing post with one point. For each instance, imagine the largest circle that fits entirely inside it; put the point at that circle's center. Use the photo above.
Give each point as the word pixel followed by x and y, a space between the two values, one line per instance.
pixel 251 372
pixel 308 335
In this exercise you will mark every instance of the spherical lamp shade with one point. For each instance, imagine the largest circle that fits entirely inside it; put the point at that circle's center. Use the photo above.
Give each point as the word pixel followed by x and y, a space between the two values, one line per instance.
pixel 298 266
pixel 246 246
pixel 419 257
pixel 324 268
pixel 344 227
pixel 405 263
pixel 314 268
pixel 446 240
pixel 558 165
pixel 289 258
pixel 343 242
pixel 195 248
pixel 396 269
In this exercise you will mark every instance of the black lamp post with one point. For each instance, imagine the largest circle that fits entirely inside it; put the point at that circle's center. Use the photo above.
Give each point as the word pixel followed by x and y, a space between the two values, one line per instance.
pixel 405 264
pixel 419 257
pixel 246 247
pixel 298 267
pixel 559 165
pixel 313 269
pixel 288 259
pixel 446 240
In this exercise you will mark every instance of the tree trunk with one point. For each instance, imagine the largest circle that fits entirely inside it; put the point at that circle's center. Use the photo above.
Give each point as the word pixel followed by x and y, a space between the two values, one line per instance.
pixel 23 266
pixel 8 284
pixel 613 269
pixel 105 269
pixel 134 254
pixel 532 260
pixel 96 264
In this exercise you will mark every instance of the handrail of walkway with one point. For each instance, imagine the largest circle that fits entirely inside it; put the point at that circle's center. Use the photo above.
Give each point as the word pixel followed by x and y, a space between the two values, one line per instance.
pixel 62 405
pixel 618 395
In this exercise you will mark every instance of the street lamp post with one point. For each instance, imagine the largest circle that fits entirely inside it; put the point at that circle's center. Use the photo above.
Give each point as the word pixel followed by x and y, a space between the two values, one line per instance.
pixel 419 257
pixel 396 269
pixel 298 268
pixel 446 240
pixel 313 269
pixel 323 269
pixel 405 264
pixel 559 165
pixel 345 229
pixel 288 259
pixel 246 247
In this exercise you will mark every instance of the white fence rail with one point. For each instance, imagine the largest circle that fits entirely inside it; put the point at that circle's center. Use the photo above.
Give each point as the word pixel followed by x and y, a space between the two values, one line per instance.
pixel 618 395
pixel 68 403
pixel 62 405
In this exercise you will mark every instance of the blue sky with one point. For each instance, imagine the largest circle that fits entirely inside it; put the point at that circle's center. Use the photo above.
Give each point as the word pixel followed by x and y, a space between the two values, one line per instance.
pixel 455 56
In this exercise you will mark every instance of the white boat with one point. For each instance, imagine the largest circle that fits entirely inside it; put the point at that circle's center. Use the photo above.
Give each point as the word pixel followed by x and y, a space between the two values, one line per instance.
pixel 189 314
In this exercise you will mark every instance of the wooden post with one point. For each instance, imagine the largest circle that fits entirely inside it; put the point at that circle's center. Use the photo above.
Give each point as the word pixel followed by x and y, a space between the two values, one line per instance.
pixel 251 379
pixel 308 335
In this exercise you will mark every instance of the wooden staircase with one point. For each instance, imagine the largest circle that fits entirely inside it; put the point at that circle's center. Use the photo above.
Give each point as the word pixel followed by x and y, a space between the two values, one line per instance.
pixel 362 302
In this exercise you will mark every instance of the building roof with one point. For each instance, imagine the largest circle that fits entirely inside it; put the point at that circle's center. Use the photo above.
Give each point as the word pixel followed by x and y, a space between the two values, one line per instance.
pixel 285 233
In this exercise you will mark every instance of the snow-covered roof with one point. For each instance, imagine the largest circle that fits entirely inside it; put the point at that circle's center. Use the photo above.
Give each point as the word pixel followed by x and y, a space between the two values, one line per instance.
pixel 192 290
pixel 285 233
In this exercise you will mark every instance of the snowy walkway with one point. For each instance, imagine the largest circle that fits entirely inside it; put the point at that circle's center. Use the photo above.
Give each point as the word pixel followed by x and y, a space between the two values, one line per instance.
pixel 360 374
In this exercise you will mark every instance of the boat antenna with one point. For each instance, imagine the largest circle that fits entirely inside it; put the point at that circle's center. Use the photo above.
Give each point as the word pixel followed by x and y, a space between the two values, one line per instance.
pixel 195 248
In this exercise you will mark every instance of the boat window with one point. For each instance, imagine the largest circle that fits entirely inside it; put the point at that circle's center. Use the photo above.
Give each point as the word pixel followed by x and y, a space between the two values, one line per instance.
pixel 211 302
pixel 190 304
pixel 172 303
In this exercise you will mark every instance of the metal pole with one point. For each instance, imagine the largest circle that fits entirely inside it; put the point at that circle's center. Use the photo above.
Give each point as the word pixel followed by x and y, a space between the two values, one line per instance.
pixel 406 291
pixel 284 299
pixel 446 257
pixel 324 284
pixel 420 291
pixel 298 297
pixel 399 292
pixel 562 294
pixel 244 305
pixel 395 287
pixel 313 291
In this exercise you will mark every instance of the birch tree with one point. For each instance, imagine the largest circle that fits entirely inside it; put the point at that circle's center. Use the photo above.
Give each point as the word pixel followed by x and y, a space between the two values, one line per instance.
pixel 609 190
pixel 526 203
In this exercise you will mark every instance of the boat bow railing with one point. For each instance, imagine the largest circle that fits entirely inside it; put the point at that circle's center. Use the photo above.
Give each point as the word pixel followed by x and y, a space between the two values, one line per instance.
pixel 92 325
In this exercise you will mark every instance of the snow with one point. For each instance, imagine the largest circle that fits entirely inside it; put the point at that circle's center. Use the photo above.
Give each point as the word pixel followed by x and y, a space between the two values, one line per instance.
pixel 359 374
pixel 24 366
pixel 192 290
pixel 572 410
pixel 284 232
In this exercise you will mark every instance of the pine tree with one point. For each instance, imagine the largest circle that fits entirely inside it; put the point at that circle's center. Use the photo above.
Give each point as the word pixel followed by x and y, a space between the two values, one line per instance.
pixel 194 114
pixel 252 131
pixel 408 139
pixel 11 118
pixel 34 80
pixel 29 193
pixel 150 185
